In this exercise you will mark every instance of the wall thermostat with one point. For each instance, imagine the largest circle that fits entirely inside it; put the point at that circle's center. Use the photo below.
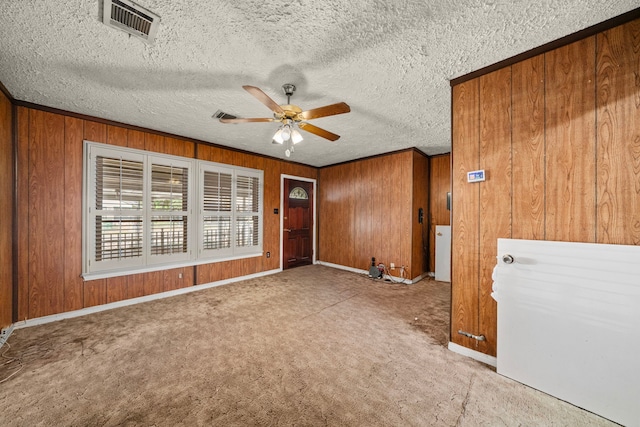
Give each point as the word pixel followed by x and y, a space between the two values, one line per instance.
pixel 475 176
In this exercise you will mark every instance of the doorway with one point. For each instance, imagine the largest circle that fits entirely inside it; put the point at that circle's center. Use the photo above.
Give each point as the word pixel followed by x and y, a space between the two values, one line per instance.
pixel 298 225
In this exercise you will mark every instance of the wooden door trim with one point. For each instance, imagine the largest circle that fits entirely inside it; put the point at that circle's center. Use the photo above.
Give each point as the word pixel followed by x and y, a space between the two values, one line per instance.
pixel 314 213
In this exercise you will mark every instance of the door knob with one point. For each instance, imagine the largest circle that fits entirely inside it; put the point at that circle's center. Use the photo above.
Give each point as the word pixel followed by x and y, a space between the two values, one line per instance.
pixel 286 229
pixel 439 234
pixel 507 259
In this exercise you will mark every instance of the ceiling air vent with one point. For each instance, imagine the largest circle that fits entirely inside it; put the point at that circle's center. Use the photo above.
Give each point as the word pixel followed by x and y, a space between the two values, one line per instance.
pixel 130 18
pixel 222 115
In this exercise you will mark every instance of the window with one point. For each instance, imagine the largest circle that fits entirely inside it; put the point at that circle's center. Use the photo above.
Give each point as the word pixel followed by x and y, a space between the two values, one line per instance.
pixel 231 210
pixel 116 210
pixel 169 210
pixel 298 193
pixel 143 210
pixel 217 215
pixel 248 212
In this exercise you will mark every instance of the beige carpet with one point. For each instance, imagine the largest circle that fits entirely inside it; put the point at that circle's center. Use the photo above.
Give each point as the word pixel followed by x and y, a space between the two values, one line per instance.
pixel 309 346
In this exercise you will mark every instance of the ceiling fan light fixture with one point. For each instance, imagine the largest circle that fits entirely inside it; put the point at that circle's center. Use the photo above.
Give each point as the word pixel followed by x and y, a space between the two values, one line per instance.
pixel 286 132
pixel 277 138
pixel 296 136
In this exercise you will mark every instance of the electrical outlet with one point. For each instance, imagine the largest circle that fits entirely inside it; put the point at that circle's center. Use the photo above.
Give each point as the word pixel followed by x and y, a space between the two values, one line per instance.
pixel 392 265
pixel 268 254
pixel 179 275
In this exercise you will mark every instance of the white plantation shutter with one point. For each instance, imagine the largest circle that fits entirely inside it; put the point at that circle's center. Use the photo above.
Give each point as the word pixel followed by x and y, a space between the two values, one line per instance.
pixel 248 211
pixel 231 210
pixel 116 214
pixel 169 207
pixel 216 208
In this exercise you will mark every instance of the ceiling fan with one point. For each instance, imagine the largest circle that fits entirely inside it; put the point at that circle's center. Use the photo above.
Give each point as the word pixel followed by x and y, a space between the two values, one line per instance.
pixel 290 116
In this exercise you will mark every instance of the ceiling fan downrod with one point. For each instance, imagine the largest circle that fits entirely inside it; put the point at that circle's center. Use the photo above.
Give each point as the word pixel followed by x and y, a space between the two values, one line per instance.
pixel 288 89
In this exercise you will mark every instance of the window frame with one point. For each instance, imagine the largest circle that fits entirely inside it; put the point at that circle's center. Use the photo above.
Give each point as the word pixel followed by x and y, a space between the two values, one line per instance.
pixel 151 213
pixel 194 255
pixel 234 250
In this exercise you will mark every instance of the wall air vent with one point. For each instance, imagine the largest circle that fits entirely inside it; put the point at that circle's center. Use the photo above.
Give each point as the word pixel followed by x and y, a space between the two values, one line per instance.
pixel 131 18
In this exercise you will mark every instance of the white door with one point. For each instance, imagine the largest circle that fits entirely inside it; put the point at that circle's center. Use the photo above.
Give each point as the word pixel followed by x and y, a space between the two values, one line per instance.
pixel 443 253
pixel 568 321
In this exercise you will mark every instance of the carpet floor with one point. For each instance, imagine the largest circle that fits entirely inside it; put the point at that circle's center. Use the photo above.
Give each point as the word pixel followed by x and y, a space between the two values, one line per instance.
pixel 309 346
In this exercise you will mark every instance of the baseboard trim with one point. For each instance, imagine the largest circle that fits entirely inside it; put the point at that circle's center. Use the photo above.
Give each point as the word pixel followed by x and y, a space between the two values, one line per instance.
pixel 420 277
pixel 480 357
pixel 342 267
pixel 393 279
pixel 124 303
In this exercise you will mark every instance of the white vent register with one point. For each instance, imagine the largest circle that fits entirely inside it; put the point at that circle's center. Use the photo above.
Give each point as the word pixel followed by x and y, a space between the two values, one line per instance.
pixel 568 322
pixel 131 18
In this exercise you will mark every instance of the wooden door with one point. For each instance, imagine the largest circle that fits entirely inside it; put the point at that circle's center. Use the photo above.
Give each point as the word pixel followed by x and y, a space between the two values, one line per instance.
pixel 298 223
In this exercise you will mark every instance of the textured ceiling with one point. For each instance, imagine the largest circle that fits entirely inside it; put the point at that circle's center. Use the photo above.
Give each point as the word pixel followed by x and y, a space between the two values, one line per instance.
pixel 390 60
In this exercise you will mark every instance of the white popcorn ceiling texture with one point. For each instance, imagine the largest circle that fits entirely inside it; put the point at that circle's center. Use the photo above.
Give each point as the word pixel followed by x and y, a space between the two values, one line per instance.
pixel 390 60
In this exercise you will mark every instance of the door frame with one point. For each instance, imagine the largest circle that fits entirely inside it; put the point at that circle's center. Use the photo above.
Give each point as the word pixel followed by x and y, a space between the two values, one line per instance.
pixel 315 222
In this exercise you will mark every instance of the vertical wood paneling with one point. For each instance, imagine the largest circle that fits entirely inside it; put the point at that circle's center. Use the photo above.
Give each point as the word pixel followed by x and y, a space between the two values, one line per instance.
pixel 117 135
pixel 153 142
pixel 327 202
pixel 135 139
pixel 437 213
pixel 22 217
pixel 365 211
pixel 420 234
pixel 153 282
pixel 271 231
pixel 179 147
pixel 365 206
pixel 387 236
pixel 348 250
pixel 95 291
pixel 495 192
pixel 618 70
pixel 6 211
pixel 117 289
pixel 94 131
pixel 403 211
pixel 46 213
pixel 188 279
pixel 73 283
pixel 465 213
pixel 570 142
pixel 528 149
pixel 135 285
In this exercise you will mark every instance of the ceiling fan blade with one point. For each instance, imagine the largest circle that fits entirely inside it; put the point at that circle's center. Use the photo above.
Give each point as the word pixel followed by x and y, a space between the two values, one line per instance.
pixel 318 131
pixel 264 98
pixel 255 120
pixel 327 110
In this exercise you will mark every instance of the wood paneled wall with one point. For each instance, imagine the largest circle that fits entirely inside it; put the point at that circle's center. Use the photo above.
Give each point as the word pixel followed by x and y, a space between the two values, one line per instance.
pixel 559 138
pixel 439 186
pixel 6 211
pixel 366 209
pixel 420 231
pixel 49 220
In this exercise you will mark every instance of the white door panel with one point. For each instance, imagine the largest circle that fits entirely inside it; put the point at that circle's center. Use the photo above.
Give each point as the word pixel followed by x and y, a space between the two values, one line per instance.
pixel 443 253
pixel 568 322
